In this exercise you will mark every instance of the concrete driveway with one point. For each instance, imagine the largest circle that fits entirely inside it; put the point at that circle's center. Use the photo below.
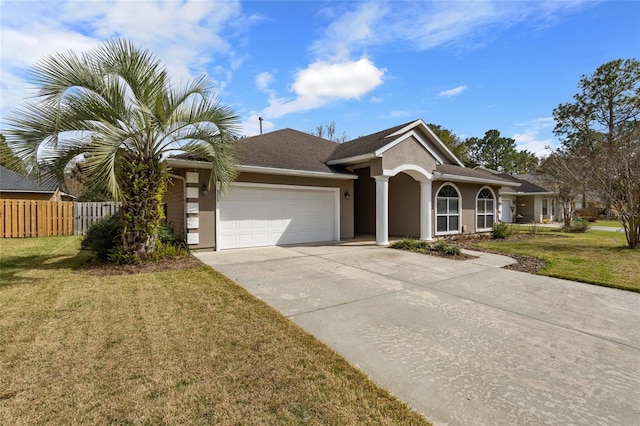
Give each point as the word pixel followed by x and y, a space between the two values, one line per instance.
pixel 463 342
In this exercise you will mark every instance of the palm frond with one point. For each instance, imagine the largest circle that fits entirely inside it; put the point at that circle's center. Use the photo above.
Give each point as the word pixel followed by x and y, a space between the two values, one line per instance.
pixel 114 99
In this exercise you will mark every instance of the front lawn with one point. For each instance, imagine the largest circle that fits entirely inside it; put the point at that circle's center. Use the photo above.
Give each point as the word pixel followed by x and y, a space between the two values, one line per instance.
pixel 596 257
pixel 607 223
pixel 181 347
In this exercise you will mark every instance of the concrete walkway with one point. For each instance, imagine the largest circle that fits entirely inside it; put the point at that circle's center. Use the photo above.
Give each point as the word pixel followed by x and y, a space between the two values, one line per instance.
pixel 463 342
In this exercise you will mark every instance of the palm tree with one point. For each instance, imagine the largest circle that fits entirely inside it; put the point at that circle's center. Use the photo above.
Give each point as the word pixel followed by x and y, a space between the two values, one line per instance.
pixel 116 109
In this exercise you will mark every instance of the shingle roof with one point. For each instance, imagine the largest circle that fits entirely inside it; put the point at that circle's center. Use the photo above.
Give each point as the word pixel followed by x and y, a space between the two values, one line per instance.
pixel 526 186
pixel 365 144
pixel 294 150
pixel 287 149
pixel 14 182
pixel 453 169
pixel 284 149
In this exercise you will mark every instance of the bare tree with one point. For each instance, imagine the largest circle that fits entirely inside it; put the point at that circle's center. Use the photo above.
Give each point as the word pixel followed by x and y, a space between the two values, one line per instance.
pixel 562 174
pixel 328 131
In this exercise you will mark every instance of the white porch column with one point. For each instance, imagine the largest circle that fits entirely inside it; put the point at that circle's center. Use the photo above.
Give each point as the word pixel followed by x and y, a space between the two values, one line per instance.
pixel 382 210
pixel 426 207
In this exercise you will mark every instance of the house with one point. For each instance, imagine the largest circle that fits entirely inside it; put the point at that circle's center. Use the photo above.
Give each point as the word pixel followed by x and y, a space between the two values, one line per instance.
pixel 529 202
pixel 296 188
pixel 14 186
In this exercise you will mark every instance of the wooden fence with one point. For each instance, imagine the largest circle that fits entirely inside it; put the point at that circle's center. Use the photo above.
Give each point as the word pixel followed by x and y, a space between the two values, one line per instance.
pixel 86 214
pixel 29 218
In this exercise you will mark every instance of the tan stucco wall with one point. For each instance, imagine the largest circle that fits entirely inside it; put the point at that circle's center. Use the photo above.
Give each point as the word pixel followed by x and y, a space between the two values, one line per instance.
pixel 174 200
pixel 525 206
pixel 409 151
pixel 207 214
pixel 468 193
pixel 374 166
pixel 404 206
pixel 364 194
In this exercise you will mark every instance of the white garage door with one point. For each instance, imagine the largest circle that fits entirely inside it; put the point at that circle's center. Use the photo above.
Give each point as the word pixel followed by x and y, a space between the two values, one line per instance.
pixel 254 216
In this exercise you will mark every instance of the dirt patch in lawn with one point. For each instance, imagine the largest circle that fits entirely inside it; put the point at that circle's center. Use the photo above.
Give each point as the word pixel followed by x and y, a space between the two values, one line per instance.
pixel 169 264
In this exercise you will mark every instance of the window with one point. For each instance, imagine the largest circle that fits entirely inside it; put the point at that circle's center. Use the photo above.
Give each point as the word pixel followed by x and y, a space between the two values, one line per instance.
pixel 484 210
pixel 545 207
pixel 447 210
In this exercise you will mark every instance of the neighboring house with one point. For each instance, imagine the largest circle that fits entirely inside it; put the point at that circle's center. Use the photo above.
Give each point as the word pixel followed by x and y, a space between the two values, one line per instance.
pixel 296 188
pixel 16 186
pixel 530 202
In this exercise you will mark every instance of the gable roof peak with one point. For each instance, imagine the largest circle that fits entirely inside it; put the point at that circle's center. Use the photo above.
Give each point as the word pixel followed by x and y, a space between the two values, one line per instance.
pixel 374 144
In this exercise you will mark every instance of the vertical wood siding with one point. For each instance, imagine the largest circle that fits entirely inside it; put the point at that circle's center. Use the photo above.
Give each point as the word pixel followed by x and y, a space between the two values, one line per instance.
pixel 30 218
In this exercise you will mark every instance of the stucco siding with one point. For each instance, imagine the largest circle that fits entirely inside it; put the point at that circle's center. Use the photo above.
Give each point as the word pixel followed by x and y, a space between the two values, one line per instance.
pixel 525 207
pixel 409 151
pixel 174 201
pixel 404 206
pixel 374 167
pixel 364 199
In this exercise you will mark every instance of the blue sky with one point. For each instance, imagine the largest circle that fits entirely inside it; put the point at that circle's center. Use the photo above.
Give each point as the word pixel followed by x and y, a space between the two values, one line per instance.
pixel 469 66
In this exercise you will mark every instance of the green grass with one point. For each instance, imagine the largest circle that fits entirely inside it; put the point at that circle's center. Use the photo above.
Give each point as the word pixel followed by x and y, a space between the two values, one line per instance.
pixel 596 257
pixel 607 223
pixel 180 347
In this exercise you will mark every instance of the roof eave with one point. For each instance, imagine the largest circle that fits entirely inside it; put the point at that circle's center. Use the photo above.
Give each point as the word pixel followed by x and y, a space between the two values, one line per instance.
pixel 30 191
pixel 352 160
pixel 177 163
pixel 297 173
pixel 536 193
pixel 471 179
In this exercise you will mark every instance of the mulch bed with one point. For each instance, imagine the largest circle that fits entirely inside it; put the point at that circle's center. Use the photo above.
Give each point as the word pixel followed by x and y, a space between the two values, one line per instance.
pixel 169 264
pixel 524 263
pixel 437 253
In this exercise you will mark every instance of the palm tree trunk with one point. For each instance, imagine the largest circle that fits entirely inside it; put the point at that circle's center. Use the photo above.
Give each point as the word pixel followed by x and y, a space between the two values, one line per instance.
pixel 143 185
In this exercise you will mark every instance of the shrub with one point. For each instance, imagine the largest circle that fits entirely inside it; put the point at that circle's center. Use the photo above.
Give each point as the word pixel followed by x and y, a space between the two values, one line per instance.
pixel 443 247
pixel 425 246
pixel 501 230
pixel 103 236
pixel 410 244
pixel 533 228
pixel 590 214
pixel 580 226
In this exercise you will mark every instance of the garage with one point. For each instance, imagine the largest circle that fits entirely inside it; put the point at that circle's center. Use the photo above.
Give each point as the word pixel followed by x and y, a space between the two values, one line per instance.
pixel 255 215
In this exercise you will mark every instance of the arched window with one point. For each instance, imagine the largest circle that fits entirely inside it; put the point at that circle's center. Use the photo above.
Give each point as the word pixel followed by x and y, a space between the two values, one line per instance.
pixel 485 210
pixel 447 210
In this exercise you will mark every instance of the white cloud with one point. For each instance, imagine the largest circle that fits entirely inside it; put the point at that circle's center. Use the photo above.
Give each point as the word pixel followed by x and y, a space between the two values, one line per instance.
pixel 356 28
pixel 322 82
pixel 452 92
pixel 263 80
pixel 345 80
pixel 186 36
pixel 530 141
pixel 536 136
pixel 425 25
pixel 251 126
